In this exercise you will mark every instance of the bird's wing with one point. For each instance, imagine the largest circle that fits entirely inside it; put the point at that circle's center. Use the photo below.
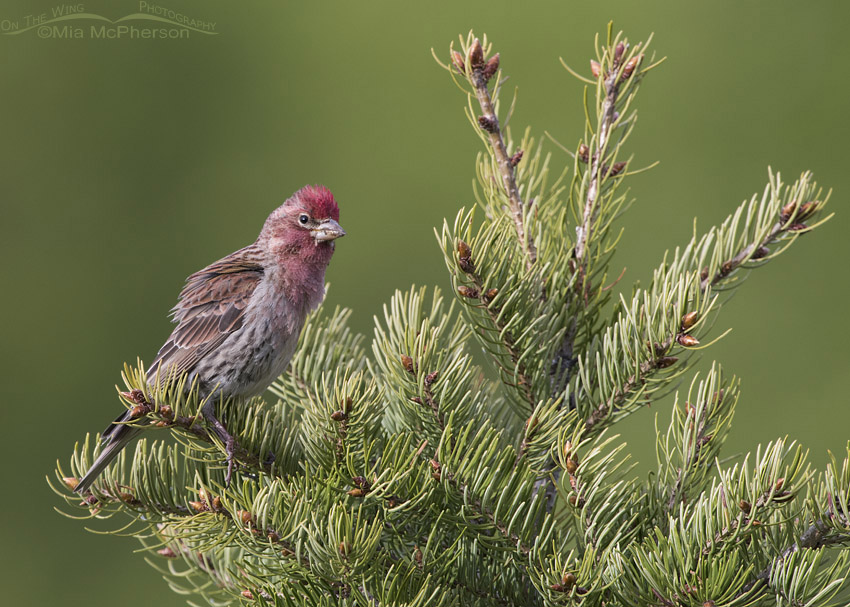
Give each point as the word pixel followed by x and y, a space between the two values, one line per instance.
pixel 211 307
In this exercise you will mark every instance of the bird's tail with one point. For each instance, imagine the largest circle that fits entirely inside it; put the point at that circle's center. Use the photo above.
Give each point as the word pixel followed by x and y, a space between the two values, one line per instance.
pixel 116 437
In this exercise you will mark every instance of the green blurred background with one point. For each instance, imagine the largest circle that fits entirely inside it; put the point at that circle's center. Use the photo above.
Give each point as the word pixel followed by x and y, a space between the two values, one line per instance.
pixel 128 164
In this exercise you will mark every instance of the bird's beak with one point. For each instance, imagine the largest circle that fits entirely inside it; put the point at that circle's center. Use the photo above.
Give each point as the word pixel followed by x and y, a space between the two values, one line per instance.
pixel 327 230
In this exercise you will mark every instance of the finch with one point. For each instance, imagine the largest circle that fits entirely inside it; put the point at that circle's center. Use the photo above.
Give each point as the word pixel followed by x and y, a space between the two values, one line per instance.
pixel 239 319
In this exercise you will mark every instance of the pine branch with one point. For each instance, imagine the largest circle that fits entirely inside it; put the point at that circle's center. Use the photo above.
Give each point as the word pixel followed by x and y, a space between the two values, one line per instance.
pixel 479 69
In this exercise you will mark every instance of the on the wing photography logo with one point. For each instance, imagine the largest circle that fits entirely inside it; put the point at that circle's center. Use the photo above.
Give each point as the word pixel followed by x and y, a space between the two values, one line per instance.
pixel 73 22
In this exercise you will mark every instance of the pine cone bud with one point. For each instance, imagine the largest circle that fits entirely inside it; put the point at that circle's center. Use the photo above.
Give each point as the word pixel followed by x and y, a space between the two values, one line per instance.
pixel 469 292
pixel 617 168
pixel 760 253
pixel 407 363
pixel 338 416
pixel 71 482
pixel 808 209
pixel 630 67
pixel 488 124
pixel 666 361
pixel 583 153
pixel 357 492
pixel 787 211
pixel 595 68
pixel 475 56
pixel 688 341
pixel 457 61
pixel 516 158
pixel 618 52
pixel 689 320
pixel 491 68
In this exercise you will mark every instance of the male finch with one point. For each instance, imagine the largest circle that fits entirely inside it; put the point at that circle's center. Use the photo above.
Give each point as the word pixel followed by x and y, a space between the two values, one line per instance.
pixel 238 319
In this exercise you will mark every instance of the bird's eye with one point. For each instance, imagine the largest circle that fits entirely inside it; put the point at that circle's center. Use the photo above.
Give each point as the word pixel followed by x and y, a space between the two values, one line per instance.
pixel 303 218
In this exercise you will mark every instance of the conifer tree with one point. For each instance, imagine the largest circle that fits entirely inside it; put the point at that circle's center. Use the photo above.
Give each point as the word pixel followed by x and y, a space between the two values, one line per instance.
pixel 406 470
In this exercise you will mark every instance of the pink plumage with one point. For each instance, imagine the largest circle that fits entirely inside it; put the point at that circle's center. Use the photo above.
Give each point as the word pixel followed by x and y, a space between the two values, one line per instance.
pixel 239 319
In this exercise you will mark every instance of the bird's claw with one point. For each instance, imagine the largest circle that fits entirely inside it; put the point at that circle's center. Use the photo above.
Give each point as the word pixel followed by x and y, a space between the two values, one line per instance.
pixel 230 449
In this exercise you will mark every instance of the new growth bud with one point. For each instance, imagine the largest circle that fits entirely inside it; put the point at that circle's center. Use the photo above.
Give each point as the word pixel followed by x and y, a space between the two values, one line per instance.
pixel 407 363
pixel 630 67
pixel 583 153
pixel 618 52
pixel 595 68
pixel 475 56
pixel 617 168
pixel 516 158
pixel 787 211
pixel 457 61
pixel 470 292
pixel 488 123
pixel 688 341
pixel 689 320
pixel 491 67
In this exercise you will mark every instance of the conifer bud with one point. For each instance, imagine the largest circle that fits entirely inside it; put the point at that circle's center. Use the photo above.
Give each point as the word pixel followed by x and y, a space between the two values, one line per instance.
pixel 666 361
pixel 244 516
pixel 572 465
pixel 617 168
pixel 475 56
pixel 787 211
pixel 248 595
pixel 166 412
pixel 568 581
pixel 798 227
pixel 760 253
pixel 516 158
pixel 457 61
pixel 357 492
pixel 198 506
pixel 167 553
pixel 488 123
pixel 71 482
pixel 688 341
pixel 470 292
pixel 431 377
pixel 417 555
pixel 631 65
pixel 595 68
pixel 808 209
pixel 491 67
pixel 583 153
pixel 618 52
pixel 689 320
pixel 745 506
pixel 338 416
pixel 407 363
pixel 490 294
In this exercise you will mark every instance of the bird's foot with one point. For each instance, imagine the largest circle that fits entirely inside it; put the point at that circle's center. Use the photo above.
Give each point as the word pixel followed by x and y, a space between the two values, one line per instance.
pixel 230 449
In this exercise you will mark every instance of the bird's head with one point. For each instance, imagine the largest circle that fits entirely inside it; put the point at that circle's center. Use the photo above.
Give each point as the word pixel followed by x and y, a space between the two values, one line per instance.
pixel 305 226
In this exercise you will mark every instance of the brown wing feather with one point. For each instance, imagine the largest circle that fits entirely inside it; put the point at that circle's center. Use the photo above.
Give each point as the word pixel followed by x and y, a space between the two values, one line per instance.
pixel 211 307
